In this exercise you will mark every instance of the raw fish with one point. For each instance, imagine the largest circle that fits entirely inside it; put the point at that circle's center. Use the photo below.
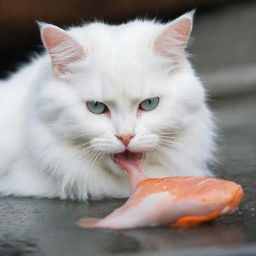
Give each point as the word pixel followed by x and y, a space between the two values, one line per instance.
pixel 174 201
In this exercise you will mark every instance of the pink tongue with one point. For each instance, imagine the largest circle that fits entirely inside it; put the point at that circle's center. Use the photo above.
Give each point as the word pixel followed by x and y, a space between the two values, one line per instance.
pixel 130 162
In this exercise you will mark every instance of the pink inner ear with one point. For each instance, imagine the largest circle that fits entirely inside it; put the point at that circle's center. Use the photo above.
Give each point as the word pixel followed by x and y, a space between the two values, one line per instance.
pixel 172 42
pixel 182 30
pixel 62 48
pixel 52 37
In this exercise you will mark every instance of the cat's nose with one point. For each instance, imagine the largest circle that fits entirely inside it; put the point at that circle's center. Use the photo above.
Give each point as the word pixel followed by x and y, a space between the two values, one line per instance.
pixel 125 139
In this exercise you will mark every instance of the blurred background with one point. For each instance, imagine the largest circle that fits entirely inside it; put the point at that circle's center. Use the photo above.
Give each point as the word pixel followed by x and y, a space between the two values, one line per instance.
pixel 223 45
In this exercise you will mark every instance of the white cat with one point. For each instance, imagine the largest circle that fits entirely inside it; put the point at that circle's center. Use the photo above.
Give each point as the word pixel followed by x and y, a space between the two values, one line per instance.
pixel 98 92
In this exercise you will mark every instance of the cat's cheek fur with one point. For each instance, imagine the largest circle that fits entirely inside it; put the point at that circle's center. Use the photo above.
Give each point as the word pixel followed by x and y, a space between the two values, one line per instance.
pixel 67 115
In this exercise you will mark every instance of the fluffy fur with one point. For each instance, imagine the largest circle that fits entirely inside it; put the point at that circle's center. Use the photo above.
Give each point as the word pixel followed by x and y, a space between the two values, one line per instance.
pixel 53 146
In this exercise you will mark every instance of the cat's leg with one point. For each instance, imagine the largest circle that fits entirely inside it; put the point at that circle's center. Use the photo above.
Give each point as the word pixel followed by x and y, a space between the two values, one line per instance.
pixel 21 179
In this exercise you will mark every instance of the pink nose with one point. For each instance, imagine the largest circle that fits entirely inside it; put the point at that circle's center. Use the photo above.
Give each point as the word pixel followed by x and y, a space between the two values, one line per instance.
pixel 126 138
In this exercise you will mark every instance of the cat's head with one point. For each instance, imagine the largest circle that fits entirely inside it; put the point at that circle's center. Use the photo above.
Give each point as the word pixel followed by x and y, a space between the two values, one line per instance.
pixel 116 88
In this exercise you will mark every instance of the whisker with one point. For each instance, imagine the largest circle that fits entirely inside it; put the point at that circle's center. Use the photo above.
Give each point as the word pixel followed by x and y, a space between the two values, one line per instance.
pixel 154 152
pixel 170 133
pixel 171 143
pixel 98 155
pixel 85 144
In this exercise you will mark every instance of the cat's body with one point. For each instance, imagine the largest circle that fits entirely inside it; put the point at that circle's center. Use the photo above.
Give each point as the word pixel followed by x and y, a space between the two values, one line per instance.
pixel 52 145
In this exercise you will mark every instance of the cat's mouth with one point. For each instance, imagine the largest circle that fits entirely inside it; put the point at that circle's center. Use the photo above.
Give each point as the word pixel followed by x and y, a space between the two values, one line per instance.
pixel 127 160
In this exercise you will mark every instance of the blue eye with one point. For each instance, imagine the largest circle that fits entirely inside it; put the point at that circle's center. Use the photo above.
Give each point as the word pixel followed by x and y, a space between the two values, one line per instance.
pixel 149 104
pixel 97 107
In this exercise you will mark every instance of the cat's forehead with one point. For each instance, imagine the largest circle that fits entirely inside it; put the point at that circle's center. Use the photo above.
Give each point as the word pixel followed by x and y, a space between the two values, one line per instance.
pixel 104 41
pixel 118 86
pixel 120 65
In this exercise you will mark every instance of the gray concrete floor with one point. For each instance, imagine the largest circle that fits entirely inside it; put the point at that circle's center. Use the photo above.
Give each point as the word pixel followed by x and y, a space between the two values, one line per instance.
pixel 44 227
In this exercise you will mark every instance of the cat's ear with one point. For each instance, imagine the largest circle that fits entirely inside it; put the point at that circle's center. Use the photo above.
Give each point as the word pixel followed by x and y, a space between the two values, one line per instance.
pixel 173 39
pixel 62 48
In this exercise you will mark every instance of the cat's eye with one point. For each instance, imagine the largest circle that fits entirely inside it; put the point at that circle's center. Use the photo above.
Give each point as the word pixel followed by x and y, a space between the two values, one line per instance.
pixel 149 104
pixel 97 107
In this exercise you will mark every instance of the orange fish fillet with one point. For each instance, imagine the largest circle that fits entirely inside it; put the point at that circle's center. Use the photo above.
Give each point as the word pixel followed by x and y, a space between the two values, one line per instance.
pixel 176 201
pixel 173 201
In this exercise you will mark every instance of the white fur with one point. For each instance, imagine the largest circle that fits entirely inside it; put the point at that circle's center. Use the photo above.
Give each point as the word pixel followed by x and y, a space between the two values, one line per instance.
pixel 53 146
